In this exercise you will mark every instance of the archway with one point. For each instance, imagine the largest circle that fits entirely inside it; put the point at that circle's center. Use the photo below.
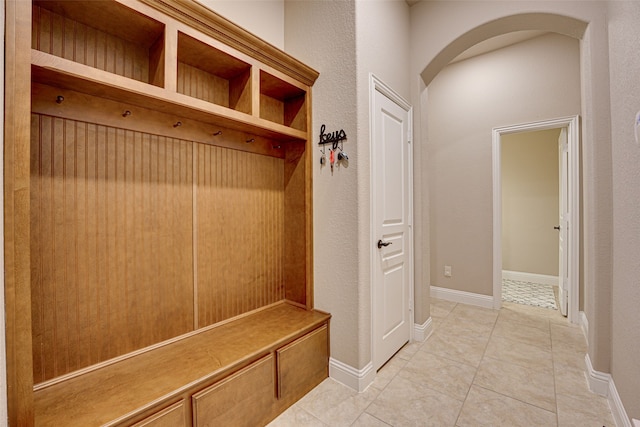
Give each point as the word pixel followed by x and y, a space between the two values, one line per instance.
pixel 451 31
pixel 527 21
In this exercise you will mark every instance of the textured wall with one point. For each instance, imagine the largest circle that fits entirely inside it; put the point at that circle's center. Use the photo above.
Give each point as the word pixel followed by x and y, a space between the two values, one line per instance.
pixel 322 35
pixel 624 64
pixel 345 41
pixel 382 45
pixel 513 85
pixel 264 18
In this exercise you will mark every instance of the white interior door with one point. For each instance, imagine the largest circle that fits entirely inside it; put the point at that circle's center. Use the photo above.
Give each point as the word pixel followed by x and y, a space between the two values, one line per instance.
pixel 563 232
pixel 391 228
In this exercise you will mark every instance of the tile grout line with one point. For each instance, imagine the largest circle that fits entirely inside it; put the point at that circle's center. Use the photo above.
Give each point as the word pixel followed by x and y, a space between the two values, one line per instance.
pixel 477 368
pixel 555 388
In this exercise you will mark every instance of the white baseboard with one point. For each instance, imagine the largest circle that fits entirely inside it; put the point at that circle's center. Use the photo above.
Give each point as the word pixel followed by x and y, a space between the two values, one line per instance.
pixel 598 381
pixel 602 384
pixel 636 423
pixel 462 297
pixel 530 277
pixel 617 408
pixel 584 324
pixel 357 379
pixel 424 331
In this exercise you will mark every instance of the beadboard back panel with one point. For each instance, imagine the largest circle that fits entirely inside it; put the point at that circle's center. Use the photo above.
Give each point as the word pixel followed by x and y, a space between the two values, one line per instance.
pixel 240 232
pixel 138 238
pixel 110 244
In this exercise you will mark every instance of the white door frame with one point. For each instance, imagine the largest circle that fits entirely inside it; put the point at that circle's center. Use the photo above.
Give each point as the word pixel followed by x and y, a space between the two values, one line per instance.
pixel 376 85
pixel 571 123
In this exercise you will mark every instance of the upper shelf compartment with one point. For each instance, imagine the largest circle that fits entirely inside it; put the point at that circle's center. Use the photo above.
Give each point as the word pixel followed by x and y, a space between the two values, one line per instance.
pixel 211 75
pixel 281 102
pixel 102 34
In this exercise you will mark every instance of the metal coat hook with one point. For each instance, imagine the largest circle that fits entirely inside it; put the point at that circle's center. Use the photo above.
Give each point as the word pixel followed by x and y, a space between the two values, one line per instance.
pixel 59 99
pixel 126 113
pixel 177 124
pixel 250 140
pixel 217 133
pixel 277 147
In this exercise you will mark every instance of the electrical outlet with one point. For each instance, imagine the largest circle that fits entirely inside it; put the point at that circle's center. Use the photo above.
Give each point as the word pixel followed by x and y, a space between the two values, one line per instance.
pixel 447 271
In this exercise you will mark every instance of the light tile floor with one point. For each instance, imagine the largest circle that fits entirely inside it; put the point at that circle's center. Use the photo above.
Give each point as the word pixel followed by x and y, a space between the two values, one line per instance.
pixel 520 366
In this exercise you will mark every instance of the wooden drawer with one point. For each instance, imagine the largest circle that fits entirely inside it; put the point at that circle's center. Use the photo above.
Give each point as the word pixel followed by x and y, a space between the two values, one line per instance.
pixel 302 365
pixel 246 398
pixel 173 416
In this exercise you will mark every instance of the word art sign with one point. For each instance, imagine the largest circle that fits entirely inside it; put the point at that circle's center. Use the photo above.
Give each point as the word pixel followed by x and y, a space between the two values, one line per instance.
pixel 332 137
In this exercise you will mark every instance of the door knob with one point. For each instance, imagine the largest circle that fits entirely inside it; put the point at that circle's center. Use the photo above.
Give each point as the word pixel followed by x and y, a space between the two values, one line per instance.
pixel 557 227
pixel 382 243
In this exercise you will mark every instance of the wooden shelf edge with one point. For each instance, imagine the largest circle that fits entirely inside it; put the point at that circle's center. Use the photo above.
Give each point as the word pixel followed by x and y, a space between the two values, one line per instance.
pixel 207 21
pixel 50 69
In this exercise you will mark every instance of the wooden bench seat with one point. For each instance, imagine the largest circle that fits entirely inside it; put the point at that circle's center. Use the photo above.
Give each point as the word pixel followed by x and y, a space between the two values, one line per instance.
pixel 139 386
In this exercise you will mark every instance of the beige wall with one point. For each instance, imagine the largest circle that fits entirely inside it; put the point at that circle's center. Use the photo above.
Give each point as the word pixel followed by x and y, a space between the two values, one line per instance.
pixel 345 41
pixel 264 18
pixel 624 63
pixel 441 30
pixel 329 46
pixel 530 202
pixel 467 99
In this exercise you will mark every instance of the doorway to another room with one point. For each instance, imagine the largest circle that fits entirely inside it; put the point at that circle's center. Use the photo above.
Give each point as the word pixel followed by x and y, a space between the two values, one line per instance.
pixel 530 206
pixel 536 217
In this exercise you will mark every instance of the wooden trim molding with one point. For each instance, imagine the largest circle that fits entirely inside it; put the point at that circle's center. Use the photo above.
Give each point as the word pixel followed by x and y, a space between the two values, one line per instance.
pixel 208 22
pixel 17 282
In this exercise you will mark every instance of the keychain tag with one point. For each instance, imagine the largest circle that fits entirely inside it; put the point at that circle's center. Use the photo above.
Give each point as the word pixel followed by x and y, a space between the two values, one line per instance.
pixel 332 158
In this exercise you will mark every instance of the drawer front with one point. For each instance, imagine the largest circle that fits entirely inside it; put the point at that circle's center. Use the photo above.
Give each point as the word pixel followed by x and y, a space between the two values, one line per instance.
pixel 173 416
pixel 246 398
pixel 302 365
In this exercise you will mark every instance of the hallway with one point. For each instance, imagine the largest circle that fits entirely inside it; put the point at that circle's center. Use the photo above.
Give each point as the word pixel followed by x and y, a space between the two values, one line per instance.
pixel 520 366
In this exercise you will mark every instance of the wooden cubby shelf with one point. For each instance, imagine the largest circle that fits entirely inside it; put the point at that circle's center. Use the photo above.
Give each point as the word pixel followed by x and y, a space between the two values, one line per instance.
pixel 52 70
pixel 105 35
pixel 282 102
pixel 159 173
pixel 207 73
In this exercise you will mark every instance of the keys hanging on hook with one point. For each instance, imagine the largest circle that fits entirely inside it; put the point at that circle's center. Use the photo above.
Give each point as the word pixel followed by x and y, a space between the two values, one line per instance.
pixel 342 155
pixel 332 159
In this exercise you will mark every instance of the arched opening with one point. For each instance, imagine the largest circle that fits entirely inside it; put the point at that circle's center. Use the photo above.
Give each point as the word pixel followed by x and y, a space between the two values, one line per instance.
pixel 451 31
pixel 522 22
pixel 478 186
